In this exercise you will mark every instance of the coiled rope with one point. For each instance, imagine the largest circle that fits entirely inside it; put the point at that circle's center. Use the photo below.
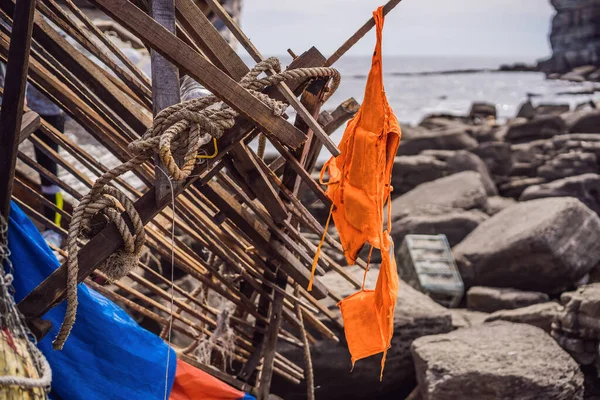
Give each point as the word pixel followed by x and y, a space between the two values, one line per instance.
pixel 181 129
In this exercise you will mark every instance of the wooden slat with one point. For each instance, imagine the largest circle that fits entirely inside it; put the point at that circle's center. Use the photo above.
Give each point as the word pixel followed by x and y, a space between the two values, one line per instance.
pixel 200 69
pixel 306 116
pixel 14 96
pixel 29 124
pixel 165 88
pixel 52 290
pixel 362 31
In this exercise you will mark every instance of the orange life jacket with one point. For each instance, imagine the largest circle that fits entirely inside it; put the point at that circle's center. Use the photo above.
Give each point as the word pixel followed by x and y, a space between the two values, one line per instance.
pixel 359 186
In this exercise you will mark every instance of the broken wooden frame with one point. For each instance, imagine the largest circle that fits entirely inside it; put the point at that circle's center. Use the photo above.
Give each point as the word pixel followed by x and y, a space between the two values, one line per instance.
pixel 244 212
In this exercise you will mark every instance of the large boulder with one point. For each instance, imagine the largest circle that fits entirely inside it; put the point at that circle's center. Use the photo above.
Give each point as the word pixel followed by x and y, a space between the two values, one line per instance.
pixel 542 127
pixel 463 190
pixel 496 361
pixel 411 171
pixel 455 223
pixel 541 245
pixel 498 203
pixel 416 315
pixel 424 139
pixel 482 110
pixel 568 164
pixel 577 327
pixel 541 315
pixel 585 187
pixel 490 299
pixel 587 121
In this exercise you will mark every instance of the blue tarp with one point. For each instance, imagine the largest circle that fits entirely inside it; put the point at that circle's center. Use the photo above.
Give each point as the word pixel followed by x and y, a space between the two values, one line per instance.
pixel 108 355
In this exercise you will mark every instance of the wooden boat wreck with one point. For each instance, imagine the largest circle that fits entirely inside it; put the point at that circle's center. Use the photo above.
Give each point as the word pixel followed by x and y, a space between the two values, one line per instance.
pixel 246 226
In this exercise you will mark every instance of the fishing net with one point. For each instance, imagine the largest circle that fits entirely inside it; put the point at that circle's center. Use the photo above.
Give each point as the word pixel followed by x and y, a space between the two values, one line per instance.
pixel 24 371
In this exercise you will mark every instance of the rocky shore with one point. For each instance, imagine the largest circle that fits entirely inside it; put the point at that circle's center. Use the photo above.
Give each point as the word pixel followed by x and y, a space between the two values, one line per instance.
pixel 519 203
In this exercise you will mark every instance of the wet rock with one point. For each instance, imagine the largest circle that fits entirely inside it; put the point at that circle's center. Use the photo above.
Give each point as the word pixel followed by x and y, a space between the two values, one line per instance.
pixel 463 318
pixel 490 299
pixel 463 190
pixel 498 203
pixel 585 187
pixel 424 139
pixel 456 224
pixel 539 245
pixel 542 127
pixel 541 315
pixel 416 315
pixel 500 360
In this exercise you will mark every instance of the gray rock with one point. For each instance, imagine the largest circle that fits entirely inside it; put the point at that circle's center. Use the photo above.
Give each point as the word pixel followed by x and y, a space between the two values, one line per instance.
pixel 516 185
pixel 482 110
pixel 577 327
pixel 467 161
pixel 463 318
pixel 585 187
pixel 498 203
pixel 552 109
pixel 495 361
pixel 423 139
pixel 568 164
pixel 416 315
pixel 463 190
pixel 527 110
pixel 456 224
pixel 541 315
pixel 540 245
pixel 497 156
pixel 490 299
pixel 542 127
pixel 585 122
pixel 411 171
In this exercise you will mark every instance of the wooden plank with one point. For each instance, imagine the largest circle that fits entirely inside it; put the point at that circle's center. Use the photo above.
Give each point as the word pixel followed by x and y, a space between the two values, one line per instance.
pixel 29 123
pixel 123 78
pixel 259 182
pixel 86 70
pixel 165 89
pixel 362 31
pixel 270 344
pixel 14 96
pixel 52 290
pixel 108 43
pixel 306 116
pixel 200 69
pixel 268 245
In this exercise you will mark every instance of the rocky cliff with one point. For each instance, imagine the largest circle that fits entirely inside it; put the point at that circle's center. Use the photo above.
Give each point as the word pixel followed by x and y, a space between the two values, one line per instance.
pixel 575 35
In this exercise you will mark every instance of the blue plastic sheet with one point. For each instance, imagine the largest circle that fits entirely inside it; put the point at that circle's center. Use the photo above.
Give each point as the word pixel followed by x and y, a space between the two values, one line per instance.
pixel 108 355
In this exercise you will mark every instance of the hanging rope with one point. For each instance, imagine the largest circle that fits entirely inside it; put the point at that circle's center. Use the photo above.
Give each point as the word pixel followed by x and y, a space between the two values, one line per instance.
pixel 308 367
pixel 181 129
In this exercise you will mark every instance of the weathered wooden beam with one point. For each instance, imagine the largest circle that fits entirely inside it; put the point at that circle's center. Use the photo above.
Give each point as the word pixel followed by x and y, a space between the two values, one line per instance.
pixel 306 115
pixel 14 96
pixel 200 69
pixel 270 344
pixel 29 124
pixel 165 88
pixel 362 31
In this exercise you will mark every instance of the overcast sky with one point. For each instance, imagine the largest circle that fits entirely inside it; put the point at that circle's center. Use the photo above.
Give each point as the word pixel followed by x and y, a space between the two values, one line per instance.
pixel 516 28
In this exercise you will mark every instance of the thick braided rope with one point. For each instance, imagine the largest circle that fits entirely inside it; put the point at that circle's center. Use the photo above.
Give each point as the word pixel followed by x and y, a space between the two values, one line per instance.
pixel 181 128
